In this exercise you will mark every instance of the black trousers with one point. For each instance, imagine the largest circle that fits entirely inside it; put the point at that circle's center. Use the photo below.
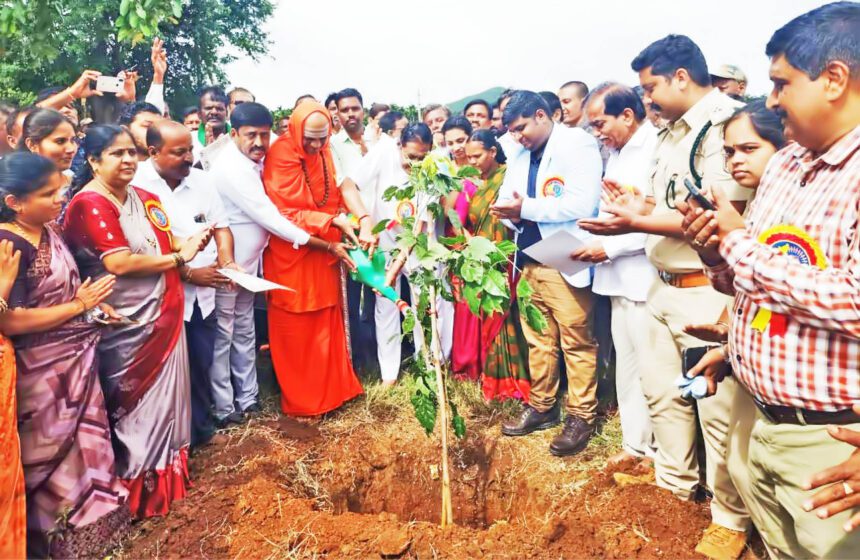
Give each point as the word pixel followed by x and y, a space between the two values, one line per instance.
pixel 362 326
pixel 200 334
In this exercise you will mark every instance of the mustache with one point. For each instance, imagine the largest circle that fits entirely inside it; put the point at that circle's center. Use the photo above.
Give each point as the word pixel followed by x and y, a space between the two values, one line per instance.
pixel 655 107
pixel 779 112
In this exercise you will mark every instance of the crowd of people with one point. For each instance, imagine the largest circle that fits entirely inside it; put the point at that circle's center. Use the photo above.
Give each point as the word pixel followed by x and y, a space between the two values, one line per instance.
pixel 721 229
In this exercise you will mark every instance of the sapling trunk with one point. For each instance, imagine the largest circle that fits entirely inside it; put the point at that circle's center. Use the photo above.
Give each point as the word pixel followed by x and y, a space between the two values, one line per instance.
pixel 447 506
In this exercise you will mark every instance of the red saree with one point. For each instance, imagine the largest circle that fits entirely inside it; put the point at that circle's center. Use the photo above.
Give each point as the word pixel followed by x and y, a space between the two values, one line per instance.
pixel 307 334
pixel 143 366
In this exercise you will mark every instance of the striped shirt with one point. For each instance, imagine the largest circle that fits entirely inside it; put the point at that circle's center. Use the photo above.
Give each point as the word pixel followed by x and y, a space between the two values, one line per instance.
pixel 815 364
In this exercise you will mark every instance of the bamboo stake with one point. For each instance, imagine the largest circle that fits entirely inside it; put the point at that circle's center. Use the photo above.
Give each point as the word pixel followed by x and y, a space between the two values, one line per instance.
pixel 447 506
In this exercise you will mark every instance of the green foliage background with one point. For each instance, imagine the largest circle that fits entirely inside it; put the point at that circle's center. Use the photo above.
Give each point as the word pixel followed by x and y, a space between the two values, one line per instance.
pixel 47 43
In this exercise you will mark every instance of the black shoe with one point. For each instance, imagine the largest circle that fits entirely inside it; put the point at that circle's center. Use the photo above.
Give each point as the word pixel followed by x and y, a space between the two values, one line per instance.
pixel 253 408
pixel 530 420
pixel 573 438
pixel 232 418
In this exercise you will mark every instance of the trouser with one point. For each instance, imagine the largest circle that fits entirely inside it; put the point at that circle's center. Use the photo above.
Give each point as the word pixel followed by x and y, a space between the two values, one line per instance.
pixel 200 334
pixel 673 417
pixel 781 458
pixel 234 370
pixel 568 314
pixel 630 336
pixel 388 344
pixel 362 327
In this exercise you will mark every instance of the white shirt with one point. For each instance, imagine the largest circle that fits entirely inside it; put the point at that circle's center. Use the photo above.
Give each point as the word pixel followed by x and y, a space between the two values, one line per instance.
pixel 567 187
pixel 347 156
pixel 192 206
pixel 251 214
pixel 381 168
pixel 628 272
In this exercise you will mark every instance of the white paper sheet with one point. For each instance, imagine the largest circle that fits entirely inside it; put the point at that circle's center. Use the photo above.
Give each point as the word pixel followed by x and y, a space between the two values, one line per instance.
pixel 555 250
pixel 251 282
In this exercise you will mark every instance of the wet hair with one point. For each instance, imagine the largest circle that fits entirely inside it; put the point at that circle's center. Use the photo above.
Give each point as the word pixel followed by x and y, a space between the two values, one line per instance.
pixel 377 108
pixel 478 102
pixel 240 90
pixel 616 98
pixel 215 93
pixel 389 120
pixel 488 139
pixel 251 114
pixel 416 132
pixel 12 117
pixel 329 98
pixel 812 40
pixel 433 107
pixel 21 174
pixel 347 93
pixel 581 88
pixel 132 110
pixel 190 111
pixel 99 138
pixel 552 100
pixel 39 124
pixel 665 56
pixel 457 122
pixel 765 122
pixel 524 103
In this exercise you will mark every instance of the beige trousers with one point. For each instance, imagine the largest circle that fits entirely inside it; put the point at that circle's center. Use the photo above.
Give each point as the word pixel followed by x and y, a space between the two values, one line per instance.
pixel 674 418
pixel 781 458
pixel 568 314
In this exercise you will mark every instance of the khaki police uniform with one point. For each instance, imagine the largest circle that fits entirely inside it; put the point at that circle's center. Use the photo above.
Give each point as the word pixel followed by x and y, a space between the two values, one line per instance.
pixel 682 295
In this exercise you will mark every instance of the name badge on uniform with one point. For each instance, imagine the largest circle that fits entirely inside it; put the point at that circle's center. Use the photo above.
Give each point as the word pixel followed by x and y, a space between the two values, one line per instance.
pixel 553 187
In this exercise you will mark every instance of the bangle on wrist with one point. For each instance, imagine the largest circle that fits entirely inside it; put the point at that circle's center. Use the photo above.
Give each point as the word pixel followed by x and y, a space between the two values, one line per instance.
pixel 724 348
pixel 83 305
pixel 185 274
pixel 228 263
pixel 363 216
pixel 178 261
pixel 4 306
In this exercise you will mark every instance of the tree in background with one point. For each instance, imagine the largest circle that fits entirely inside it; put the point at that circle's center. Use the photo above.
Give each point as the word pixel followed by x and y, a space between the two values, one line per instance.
pixel 47 43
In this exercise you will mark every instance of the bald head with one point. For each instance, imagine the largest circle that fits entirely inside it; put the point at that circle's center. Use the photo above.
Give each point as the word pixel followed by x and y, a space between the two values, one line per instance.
pixel 315 132
pixel 316 125
pixel 170 150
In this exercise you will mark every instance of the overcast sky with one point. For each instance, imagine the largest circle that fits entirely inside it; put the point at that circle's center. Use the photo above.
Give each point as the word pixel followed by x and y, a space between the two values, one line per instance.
pixel 447 49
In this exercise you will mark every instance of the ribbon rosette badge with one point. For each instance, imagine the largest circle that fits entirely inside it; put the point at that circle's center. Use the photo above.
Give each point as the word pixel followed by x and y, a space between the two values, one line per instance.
pixel 553 187
pixel 796 243
pixel 157 215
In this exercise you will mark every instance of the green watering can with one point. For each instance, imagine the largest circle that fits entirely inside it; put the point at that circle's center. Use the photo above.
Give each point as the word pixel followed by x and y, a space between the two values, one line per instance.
pixel 371 272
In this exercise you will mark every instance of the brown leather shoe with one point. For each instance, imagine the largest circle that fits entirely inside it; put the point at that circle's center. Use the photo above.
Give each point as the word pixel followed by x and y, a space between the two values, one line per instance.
pixel 530 420
pixel 573 438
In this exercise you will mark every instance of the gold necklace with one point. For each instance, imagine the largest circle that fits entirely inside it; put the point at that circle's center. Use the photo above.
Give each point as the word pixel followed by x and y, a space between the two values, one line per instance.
pixel 111 196
pixel 27 236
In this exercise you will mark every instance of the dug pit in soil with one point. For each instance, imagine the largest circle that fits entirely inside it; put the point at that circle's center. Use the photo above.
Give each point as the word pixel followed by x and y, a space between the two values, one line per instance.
pixel 369 489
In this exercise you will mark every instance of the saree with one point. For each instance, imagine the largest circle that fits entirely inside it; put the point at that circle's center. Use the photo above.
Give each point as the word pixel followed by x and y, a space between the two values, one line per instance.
pixel 13 514
pixel 144 364
pixel 307 334
pixel 496 341
pixel 66 448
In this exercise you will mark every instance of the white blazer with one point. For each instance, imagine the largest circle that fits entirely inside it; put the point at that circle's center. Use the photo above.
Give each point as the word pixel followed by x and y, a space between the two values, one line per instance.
pixel 567 187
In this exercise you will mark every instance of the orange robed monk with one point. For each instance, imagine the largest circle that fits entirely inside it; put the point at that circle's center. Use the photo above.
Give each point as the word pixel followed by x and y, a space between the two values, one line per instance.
pixel 306 328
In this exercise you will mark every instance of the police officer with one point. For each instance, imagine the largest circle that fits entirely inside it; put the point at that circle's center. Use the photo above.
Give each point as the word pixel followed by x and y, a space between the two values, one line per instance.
pixel 674 76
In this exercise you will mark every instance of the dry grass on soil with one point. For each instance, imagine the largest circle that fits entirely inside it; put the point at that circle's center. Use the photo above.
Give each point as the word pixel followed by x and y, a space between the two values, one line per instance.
pixel 364 483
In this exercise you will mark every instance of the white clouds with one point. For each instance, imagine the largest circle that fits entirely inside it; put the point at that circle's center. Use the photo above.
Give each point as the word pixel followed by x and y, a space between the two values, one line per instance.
pixel 390 49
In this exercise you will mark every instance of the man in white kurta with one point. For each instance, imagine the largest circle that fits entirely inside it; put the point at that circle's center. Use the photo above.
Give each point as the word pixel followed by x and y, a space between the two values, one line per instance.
pixel 623 273
pixel 253 218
